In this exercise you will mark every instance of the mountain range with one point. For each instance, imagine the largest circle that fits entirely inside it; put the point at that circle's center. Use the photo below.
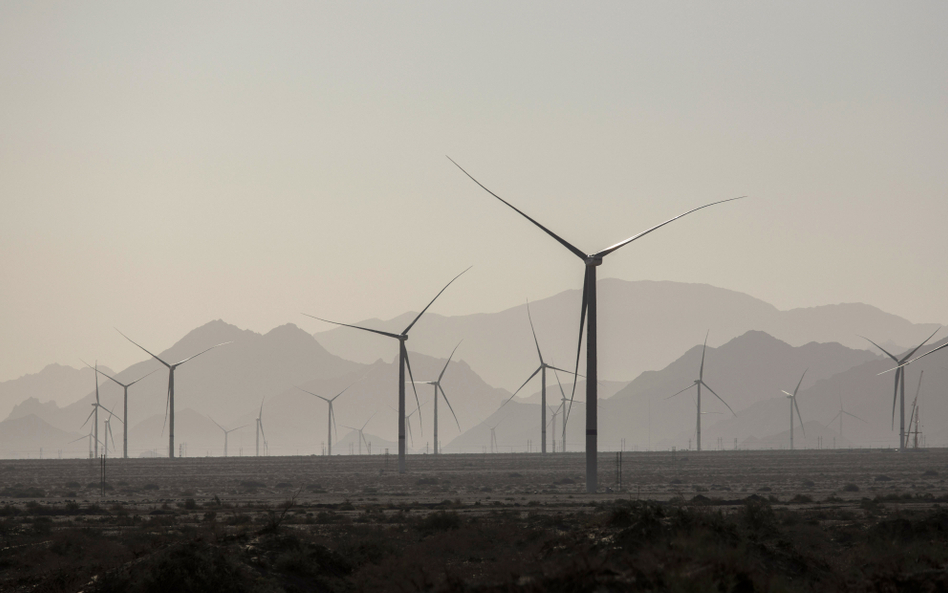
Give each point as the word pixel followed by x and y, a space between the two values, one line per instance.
pixel 748 369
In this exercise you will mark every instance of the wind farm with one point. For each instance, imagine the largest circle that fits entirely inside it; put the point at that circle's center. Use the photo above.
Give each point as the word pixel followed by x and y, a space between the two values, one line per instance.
pixel 242 195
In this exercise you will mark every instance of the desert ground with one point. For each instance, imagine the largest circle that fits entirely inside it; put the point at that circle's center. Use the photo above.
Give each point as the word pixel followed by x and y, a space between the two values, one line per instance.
pixel 847 520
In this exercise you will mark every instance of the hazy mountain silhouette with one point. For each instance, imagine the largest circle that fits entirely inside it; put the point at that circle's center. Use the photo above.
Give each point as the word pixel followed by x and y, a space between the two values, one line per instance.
pixel 56 384
pixel 24 436
pixel 644 325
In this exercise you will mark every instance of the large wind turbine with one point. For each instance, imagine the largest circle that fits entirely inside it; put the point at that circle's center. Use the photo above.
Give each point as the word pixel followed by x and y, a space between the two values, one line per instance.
pixel 169 409
pixel 542 370
pixel 226 432
pixel 698 383
pixel 402 363
pixel 437 387
pixel 260 430
pixel 588 316
pixel 332 415
pixel 899 391
pixel 793 404
pixel 125 421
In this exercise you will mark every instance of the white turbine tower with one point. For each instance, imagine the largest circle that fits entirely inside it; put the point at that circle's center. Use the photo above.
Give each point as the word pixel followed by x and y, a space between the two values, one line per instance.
pixel 402 364
pixel 793 404
pixel 169 404
pixel 588 317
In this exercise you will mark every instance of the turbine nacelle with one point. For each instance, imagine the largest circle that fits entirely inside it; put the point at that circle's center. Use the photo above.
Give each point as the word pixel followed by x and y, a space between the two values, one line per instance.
pixel 593 260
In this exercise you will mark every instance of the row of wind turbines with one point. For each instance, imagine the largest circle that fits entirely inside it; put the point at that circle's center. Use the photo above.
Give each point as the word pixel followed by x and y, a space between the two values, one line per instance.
pixel 588 321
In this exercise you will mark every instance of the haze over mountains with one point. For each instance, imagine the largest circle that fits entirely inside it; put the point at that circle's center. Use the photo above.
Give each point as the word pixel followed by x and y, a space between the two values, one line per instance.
pixel 642 323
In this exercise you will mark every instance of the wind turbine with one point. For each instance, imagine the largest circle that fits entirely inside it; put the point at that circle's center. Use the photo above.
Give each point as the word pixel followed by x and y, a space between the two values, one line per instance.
pixel 332 415
pixel 563 401
pixel 95 407
pixel 588 316
pixel 793 404
pixel 402 363
pixel 914 416
pixel 226 432
pixel 899 391
pixel 542 370
pixel 108 432
pixel 843 412
pixel 88 436
pixel 494 447
pixel 553 414
pixel 437 386
pixel 169 409
pixel 260 429
pixel 698 383
pixel 125 421
pixel 361 432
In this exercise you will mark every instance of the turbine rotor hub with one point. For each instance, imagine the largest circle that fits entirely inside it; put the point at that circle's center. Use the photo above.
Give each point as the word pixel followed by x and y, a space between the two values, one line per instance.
pixel 593 261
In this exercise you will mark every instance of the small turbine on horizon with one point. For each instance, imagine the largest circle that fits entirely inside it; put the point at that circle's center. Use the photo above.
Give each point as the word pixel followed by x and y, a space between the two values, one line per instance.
pixel 125 387
pixel 589 318
pixel 361 432
pixel 169 403
pixel 698 383
pixel 402 364
pixel 793 404
pixel 843 412
pixel 331 421
pixel 226 432
pixel 437 387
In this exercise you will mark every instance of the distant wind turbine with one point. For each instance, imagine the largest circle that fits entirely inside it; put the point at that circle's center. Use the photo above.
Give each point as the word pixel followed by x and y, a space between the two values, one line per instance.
pixel 260 429
pixel 226 432
pixel 494 448
pixel 89 436
pixel 899 391
pixel 95 408
pixel 588 316
pixel 402 363
pixel 698 383
pixel 842 413
pixel 125 421
pixel 914 416
pixel 793 404
pixel 169 404
pixel 542 370
pixel 331 421
pixel 108 432
pixel 437 387
pixel 361 432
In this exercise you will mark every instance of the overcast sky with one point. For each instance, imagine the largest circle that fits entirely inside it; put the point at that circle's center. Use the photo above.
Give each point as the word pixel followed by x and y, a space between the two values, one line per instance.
pixel 164 164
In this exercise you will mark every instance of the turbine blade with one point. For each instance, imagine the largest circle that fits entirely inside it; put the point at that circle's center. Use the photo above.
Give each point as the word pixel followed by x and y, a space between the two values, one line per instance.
pixel 88 418
pixel 447 363
pixel 263 433
pixel 535 341
pixel 703 349
pixel 143 348
pixel 887 353
pixel 107 376
pixel 410 325
pixel 369 420
pixel 363 438
pixel 260 414
pixel 218 425
pixel 417 401
pixel 347 388
pixel 445 395
pixel 135 381
pixel 200 353
pixel 550 366
pixel 799 383
pixel 680 392
pixel 945 345
pixel 521 387
pixel 332 414
pixel 788 394
pixel 559 239
pixel 720 398
pixel 895 395
pixel 909 355
pixel 365 329
pixel 838 414
pixel 797 407
pixel 311 393
pixel 609 250
pixel 853 416
pixel 579 345
pixel 167 405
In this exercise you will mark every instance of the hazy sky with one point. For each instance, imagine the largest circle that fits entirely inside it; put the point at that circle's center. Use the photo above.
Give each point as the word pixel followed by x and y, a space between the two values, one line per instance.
pixel 163 164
